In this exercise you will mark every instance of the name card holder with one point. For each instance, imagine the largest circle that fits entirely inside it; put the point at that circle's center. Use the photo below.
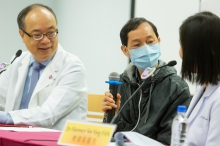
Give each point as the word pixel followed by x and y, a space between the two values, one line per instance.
pixel 86 134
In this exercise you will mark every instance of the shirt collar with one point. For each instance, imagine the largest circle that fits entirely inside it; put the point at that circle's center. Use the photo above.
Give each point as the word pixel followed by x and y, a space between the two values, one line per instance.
pixel 45 63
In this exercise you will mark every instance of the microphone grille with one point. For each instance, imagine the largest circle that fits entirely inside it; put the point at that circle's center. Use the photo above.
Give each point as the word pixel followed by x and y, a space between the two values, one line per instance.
pixel 114 76
pixel 18 53
pixel 172 63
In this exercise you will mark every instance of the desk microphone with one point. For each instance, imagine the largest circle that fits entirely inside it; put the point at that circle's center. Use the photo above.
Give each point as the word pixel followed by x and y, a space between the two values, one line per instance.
pixel 148 72
pixel 113 87
pixel 171 63
pixel 4 66
pixel 18 53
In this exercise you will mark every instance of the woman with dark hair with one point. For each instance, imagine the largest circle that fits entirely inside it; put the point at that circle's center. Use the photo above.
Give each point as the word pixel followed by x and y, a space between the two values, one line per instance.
pixel 200 53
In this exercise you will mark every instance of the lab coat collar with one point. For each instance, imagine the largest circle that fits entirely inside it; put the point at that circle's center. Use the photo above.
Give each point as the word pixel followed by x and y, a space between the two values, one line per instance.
pixel 193 108
pixel 49 73
pixel 22 73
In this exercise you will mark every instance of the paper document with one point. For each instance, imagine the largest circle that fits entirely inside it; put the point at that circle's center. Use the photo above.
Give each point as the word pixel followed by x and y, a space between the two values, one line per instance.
pixel 136 139
pixel 126 144
pixel 34 129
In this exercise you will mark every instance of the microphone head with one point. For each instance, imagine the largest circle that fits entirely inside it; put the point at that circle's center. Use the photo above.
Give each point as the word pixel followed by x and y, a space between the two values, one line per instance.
pixel 18 53
pixel 172 63
pixel 114 76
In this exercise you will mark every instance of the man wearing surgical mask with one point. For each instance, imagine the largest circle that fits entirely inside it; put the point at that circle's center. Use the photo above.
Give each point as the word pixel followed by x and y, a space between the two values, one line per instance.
pixel 151 111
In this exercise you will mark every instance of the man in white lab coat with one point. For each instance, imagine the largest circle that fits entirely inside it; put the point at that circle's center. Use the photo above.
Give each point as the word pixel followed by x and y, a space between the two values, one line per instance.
pixel 51 94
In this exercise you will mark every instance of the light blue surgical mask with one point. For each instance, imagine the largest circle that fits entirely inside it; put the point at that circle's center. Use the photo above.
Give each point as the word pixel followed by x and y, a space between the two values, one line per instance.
pixel 145 56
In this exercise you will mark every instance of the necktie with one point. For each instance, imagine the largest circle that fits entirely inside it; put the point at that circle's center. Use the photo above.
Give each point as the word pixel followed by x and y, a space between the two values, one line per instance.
pixel 36 67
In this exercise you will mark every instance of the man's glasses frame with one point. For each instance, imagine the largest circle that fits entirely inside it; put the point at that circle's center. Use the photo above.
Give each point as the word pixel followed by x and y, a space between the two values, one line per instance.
pixel 38 37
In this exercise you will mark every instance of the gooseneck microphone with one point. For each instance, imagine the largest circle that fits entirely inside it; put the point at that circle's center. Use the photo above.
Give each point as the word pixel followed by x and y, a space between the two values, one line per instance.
pixel 18 53
pixel 171 63
pixel 113 89
pixel 150 73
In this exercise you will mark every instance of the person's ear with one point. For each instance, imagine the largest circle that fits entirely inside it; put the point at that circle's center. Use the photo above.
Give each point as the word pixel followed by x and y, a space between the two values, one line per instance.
pixel 181 52
pixel 125 51
pixel 158 39
pixel 21 34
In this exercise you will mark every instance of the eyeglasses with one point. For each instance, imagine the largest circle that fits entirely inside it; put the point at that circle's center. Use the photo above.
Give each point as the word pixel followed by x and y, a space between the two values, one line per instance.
pixel 38 37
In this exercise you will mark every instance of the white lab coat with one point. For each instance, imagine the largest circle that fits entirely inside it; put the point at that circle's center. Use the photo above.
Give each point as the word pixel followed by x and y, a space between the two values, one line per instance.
pixel 60 94
pixel 204 120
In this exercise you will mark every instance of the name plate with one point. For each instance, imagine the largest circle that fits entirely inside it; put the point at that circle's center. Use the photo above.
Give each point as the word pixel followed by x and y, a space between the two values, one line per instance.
pixel 86 134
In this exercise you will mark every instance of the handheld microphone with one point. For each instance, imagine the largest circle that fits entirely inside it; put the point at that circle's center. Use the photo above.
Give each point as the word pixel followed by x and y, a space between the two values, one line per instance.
pixel 3 66
pixel 18 53
pixel 148 72
pixel 113 87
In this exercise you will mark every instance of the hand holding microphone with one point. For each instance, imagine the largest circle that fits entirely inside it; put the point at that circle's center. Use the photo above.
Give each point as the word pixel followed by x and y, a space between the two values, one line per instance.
pixel 111 97
pixel 109 103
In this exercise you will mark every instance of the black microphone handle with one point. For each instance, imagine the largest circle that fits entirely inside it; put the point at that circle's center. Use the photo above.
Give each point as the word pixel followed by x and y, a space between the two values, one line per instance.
pixel 115 117
pixel 111 113
pixel 1 71
pixel 13 59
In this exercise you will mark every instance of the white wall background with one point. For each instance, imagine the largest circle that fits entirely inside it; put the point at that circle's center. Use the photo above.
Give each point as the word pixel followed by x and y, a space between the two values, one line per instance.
pixel 211 5
pixel 90 30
